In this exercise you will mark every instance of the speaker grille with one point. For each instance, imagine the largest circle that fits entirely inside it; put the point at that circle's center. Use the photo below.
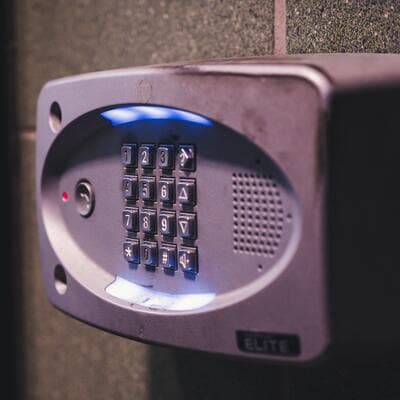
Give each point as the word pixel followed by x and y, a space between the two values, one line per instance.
pixel 258 214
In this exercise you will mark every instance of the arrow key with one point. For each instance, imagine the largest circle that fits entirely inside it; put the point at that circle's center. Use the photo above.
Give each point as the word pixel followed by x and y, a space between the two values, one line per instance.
pixel 188 259
pixel 187 226
pixel 187 192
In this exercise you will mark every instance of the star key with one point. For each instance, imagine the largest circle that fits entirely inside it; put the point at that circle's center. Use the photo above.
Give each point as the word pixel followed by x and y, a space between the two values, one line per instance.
pixel 131 251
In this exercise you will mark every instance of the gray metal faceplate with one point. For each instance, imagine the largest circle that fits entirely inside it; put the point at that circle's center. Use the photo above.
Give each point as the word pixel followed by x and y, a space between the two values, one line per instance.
pixel 259 205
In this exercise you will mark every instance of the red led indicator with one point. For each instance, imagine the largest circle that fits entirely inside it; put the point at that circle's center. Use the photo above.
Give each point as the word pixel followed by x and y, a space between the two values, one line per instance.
pixel 65 196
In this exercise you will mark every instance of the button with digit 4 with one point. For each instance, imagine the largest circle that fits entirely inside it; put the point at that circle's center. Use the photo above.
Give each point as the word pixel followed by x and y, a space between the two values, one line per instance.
pixel 149 254
pixel 187 225
pixel 131 251
pixel 167 223
pixel 129 187
pixel 148 221
pixel 186 158
pixel 146 155
pixel 166 190
pixel 130 219
pixel 187 192
pixel 188 259
pixel 167 257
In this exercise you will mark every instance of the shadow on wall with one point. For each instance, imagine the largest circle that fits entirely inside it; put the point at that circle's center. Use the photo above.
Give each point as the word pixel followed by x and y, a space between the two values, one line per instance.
pixel 182 374
pixel 179 374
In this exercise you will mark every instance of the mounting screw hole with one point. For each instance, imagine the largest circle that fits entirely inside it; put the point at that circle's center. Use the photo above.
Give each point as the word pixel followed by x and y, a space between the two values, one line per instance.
pixel 260 267
pixel 60 279
pixel 55 117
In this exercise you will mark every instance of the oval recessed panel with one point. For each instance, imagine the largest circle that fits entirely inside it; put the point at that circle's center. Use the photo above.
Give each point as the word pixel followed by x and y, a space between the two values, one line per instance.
pixel 231 217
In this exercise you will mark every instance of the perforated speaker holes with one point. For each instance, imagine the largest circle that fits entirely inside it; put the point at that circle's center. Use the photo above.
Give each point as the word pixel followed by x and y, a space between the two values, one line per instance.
pixel 258 214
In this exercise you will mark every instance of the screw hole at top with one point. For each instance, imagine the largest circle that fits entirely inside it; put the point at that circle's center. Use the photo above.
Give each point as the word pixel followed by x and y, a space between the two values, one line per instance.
pixel 55 117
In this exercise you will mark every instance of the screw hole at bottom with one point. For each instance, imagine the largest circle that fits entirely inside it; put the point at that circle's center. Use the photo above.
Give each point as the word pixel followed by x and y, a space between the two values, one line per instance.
pixel 260 267
pixel 60 279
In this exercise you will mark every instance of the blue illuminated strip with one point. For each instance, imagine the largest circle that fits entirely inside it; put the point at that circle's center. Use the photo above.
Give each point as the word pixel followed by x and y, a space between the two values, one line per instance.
pixel 124 115
pixel 145 297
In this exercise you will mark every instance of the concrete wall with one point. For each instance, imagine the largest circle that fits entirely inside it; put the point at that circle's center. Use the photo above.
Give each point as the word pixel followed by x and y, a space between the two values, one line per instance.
pixel 64 359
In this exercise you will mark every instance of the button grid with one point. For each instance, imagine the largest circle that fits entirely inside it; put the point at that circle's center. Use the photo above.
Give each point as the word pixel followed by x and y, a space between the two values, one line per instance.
pixel 159 216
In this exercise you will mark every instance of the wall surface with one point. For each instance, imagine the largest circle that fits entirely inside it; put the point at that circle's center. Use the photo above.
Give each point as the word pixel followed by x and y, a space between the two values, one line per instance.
pixel 65 359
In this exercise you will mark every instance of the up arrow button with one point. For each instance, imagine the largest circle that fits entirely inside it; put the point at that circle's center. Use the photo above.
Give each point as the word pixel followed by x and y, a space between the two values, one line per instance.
pixel 187 192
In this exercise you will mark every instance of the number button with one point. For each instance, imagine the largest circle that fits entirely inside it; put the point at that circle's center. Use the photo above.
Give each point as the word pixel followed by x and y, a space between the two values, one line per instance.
pixel 186 158
pixel 129 155
pixel 187 226
pixel 149 254
pixel 188 259
pixel 166 191
pixel 129 187
pixel 148 188
pixel 166 157
pixel 130 219
pixel 131 251
pixel 167 223
pixel 167 257
pixel 187 192
pixel 148 221
pixel 146 155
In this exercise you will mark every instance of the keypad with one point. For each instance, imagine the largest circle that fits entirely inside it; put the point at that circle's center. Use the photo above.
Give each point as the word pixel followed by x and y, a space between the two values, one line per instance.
pixel 160 204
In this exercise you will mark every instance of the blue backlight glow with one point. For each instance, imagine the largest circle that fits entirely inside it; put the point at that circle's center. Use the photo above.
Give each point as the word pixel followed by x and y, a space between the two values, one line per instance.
pixel 127 114
pixel 146 297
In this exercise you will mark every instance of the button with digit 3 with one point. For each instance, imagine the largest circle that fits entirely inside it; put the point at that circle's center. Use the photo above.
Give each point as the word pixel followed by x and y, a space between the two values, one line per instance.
pixel 166 156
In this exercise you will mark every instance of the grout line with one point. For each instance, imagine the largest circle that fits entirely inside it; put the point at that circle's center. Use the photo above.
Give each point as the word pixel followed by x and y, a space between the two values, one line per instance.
pixel 28 135
pixel 280 27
